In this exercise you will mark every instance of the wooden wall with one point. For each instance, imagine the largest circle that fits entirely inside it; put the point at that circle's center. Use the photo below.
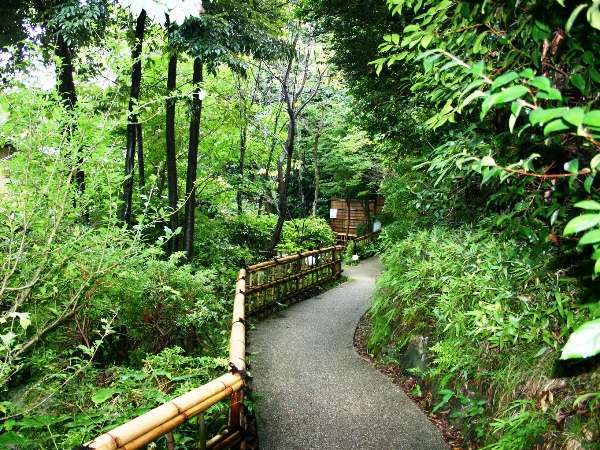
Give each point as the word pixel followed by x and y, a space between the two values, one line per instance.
pixel 357 214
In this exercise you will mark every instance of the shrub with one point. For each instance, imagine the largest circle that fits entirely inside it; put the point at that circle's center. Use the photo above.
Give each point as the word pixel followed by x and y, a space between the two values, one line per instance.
pixel 305 234
pixel 496 317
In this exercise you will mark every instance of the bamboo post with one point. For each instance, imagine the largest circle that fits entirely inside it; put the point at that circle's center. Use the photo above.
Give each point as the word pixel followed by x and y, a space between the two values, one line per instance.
pixel 298 270
pixel 201 439
pixel 333 263
pixel 170 441
pixel 235 410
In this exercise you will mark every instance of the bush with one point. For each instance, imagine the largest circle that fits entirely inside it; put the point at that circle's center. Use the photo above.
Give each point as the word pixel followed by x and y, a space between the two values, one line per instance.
pixel 495 317
pixel 305 234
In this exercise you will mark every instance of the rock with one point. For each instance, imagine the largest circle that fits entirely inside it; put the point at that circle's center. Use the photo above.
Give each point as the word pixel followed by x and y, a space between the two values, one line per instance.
pixel 415 354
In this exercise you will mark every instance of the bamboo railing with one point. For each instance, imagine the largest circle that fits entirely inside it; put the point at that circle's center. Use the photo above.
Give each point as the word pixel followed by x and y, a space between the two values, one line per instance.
pixel 259 288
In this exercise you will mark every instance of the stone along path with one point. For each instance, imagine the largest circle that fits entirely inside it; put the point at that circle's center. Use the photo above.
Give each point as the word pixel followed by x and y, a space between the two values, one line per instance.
pixel 315 392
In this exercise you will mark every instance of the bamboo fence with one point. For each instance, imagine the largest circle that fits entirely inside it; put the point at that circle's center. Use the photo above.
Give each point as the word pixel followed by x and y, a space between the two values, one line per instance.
pixel 259 288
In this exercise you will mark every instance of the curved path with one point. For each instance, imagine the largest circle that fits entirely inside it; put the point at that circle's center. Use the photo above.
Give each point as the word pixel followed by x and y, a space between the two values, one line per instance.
pixel 315 392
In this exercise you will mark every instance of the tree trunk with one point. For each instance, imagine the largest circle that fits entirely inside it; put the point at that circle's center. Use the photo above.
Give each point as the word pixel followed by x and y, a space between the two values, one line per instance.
pixel 192 162
pixel 243 137
pixel 132 118
pixel 66 85
pixel 267 196
pixel 300 169
pixel 140 155
pixel 283 180
pixel 317 173
pixel 171 156
pixel 68 95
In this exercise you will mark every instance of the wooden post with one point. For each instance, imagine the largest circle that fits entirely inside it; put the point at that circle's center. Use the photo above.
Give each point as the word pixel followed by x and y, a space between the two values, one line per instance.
pixel 170 441
pixel 201 439
pixel 298 269
pixel 235 410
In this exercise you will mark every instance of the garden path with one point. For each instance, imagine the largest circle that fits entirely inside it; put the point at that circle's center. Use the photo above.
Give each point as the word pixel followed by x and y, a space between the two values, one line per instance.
pixel 315 392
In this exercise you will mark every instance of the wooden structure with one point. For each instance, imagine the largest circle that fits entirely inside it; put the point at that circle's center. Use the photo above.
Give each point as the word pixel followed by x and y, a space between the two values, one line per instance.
pixel 360 213
pixel 259 289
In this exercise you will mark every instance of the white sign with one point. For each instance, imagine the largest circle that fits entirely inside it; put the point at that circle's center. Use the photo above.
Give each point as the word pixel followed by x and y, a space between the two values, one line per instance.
pixel 376 226
pixel 333 213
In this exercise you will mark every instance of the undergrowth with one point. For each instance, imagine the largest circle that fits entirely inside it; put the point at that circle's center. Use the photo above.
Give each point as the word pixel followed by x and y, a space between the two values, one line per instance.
pixel 495 316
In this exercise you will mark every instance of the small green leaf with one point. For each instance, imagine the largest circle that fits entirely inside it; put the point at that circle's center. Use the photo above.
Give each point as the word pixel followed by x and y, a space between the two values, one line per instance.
pixel 512 93
pixel 8 338
pixel 24 320
pixel 103 395
pixel 555 126
pixel 592 119
pixel 587 184
pixel 593 15
pixel 504 79
pixel 477 69
pixel 584 342
pixel 591 237
pixel 540 115
pixel 595 162
pixel 581 223
pixel 578 81
pixel 550 94
pixel 512 120
pixel 489 101
pixel 426 40
pixel 527 73
pixel 588 205
pixel 574 116
pixel 573 17
pixel 572 166
pixel 541 83
pixel 472 96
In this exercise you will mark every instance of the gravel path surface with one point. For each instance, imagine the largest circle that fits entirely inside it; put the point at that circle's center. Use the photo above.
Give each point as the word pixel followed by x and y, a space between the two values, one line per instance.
pixel 315 392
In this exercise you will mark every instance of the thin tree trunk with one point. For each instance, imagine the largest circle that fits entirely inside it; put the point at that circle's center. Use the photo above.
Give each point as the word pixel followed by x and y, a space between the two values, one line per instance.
pixel 192 162
pixel 66 85
pixel 300 169
pixel 283 180
pixel 317 173
pixel 267 197
pixel 243 137
pixel 68 95
pixel 140 155
pixel 132 118
pixel 171 156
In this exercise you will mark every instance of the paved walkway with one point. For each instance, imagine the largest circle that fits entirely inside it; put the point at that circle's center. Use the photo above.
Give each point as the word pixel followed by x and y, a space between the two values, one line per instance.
pixel 315 392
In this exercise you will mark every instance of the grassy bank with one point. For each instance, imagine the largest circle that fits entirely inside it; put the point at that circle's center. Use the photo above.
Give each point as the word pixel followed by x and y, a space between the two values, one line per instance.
pixel 486 319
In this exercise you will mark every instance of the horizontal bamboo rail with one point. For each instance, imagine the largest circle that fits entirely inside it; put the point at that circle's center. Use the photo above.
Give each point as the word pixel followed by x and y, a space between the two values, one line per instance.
pixel 259 287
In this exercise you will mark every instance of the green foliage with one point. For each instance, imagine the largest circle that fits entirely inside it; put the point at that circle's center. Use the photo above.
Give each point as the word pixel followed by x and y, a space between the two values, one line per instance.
pixel 305 234
pixel 489 307
pixel 519 427
pixel 75 412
